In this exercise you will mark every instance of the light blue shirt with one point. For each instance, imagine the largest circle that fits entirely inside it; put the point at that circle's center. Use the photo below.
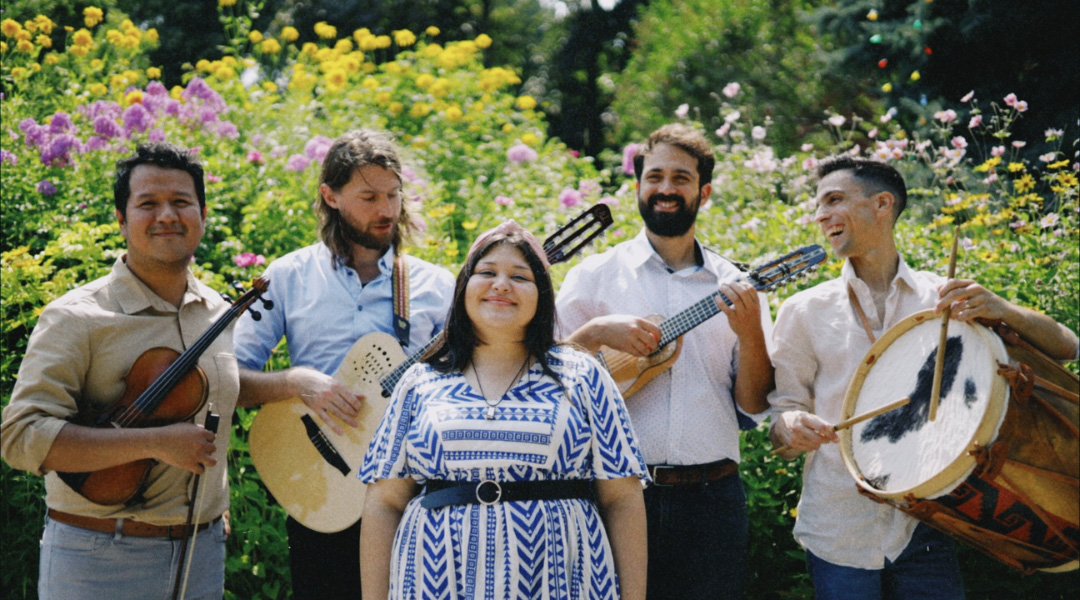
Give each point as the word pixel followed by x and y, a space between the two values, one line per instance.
pixel 321 311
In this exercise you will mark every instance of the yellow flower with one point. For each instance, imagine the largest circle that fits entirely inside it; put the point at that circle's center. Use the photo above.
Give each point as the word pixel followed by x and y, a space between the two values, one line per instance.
pixel 432 31
pixel 383 98
pixel 43 40
pixel 80 51
pixel 885 88
pixel 310 48
pixel 19 72
pixel 336 80
pixel 1015 166
pixel 133 97
pixel 1058 164
pixel 1024 184
pixel 270 46
pixel 290 34
pixel 370 83
pixel 344 46
pixel 44 24
pixel 224 72
pixel 454 114
pixel 441 88
pixel 382 41
pixel 483 40
pixel 325 30
pixel 404 37
pixel 525 102
pixel 203 66
pixel 52 58
pixel 420 110
pixel 152 35
pixel 425 80
pixel 255 37
pixel 96 64
pixel 530 139
pixel 98 89
pixel 10 27
pixel 794 512
pixel 1067 180
pixel 177 92
pixel 24 46
pixel 469 225
pixel 507 127
pixel 915 76
pixel 225 3
pixel 114 37
pixel 153 73
pixel 395 108
pixel 31 27
pixel 368 67
pixel 3 47
pixel 989 164
pixel 269 86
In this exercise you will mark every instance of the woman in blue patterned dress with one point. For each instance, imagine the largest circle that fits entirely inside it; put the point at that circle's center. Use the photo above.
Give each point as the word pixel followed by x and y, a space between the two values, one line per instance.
pixel 505 466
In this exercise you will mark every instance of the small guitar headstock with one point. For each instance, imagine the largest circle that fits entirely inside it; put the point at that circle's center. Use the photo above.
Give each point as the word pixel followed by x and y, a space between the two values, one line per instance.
pixel 577 234
pixel 797 263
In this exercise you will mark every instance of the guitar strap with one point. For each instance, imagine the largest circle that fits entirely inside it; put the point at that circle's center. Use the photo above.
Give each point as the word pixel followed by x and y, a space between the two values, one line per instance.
pixel 862 314
pixel 400 282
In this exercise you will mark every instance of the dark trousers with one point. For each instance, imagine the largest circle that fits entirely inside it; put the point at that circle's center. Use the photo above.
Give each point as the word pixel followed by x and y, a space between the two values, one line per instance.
pixel 698 540
pixel 324 566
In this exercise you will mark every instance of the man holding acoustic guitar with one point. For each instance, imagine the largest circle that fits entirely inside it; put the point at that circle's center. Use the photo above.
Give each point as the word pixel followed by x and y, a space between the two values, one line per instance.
pixel 685 415
pixel 329 295
pixel 104 341
pixel 856 547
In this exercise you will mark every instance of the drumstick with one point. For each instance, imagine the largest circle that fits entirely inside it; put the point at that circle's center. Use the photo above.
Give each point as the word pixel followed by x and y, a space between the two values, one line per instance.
pixel 939 365
pixel 846 423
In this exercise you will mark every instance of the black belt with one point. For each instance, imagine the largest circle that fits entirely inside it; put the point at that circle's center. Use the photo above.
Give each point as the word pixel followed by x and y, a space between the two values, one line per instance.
pixel 667 475
pixel 441 492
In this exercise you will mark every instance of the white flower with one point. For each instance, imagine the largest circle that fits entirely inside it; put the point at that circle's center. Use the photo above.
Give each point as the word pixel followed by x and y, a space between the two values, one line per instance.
pixel 1049 220
pixel 968 96
pixel 1048 157
pixel 732 116
pixel 837 120
pixel 806 147
pixel 732 89
pixel 758 132
pixel 682 111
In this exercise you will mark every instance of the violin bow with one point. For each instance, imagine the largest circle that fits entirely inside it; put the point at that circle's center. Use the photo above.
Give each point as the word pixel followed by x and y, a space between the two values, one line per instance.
pixel 187 550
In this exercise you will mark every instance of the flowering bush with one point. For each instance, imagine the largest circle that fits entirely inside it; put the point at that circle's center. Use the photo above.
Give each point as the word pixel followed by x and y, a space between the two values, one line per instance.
pixel 262 117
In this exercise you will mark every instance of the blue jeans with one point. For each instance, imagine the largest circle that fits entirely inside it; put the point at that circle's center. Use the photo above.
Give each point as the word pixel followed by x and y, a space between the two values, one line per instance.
pixel 698 540
pixel 91 565
pixel 926 569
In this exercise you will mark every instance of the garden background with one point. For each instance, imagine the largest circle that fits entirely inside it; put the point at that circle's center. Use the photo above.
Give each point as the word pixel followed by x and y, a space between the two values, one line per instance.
pixel 527 109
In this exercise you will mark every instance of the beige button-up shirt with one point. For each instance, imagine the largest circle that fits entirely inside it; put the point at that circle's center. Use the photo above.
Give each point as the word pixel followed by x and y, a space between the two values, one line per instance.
pixel 819 342
pixel 78 354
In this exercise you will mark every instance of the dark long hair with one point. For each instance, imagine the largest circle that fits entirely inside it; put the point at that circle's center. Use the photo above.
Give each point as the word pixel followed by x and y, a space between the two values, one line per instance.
pixel 461 336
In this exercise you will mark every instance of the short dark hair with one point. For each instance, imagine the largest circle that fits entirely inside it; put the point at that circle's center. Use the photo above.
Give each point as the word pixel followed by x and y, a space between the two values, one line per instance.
pixel 348 154
pixel 685 138
pixel 160 154
pixel 461 336
pixel 875 176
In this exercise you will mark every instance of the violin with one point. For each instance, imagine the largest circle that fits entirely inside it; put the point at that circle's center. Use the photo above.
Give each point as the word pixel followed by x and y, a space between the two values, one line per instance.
pixel 162 387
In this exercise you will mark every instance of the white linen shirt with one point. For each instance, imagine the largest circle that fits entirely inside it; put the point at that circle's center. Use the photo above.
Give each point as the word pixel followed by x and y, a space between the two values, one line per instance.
pixel 820 342
pixel 322 311
pixel 686 415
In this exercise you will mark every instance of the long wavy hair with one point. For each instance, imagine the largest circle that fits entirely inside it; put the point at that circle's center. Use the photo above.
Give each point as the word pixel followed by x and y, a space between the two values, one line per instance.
pixel 461 336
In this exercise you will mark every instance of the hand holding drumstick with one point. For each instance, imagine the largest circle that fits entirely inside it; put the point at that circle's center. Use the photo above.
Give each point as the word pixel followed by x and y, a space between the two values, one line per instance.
pixel 829 433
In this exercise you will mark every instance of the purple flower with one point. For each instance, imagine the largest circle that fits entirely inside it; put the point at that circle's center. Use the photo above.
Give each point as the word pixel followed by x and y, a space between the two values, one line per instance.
pixel 228 130
pixel 96 143
pixel 136 118
pixel 57 152
pixel 628 154
pixel 8 157
pixel 36 135
pixel 197 88
pixel 107 127
pixel 255 157
pixel 61 123
pixel 101 108
pixel 156 135
pixel 570 197
pixel 46 188
pixel 156 88
pixel 297 162
pixel 520 153
pixel 317 147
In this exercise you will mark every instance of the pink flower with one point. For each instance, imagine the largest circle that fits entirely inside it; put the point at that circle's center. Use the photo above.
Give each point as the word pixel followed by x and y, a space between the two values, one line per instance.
pixel 997 151
pixel 724 129
pixel 520 153
pixel 1021 106
pixel 872 133
pixel 975 122
pixel 809 164
pixel 503 200
pixel 297 163
pixel 959 143
pixel 609 200
pixel 732 89
pixel 1010 100
pixel 1048 157
pixel 758 132
pixel 1053 134
pixel 247 259
pixel 945 116
pixel 806 147
pixel 317 147
pixel 570 197
pixel 968 96
pixel 1019 144
pixel 628 154
pixel 682 111
pixel 211 178
pixel 255 157
pixel 885 118
pixel 575 154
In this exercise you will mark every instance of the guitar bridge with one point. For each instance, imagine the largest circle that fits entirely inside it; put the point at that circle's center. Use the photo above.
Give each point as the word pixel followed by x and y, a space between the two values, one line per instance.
pixel 324 446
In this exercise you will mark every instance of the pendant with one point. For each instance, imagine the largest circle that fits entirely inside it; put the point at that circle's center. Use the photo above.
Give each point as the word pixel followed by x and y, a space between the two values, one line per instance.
pixel 490 413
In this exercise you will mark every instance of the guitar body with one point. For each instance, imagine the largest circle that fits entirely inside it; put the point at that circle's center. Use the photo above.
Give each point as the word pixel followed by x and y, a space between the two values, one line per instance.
pixel 630 372
pixel 320 489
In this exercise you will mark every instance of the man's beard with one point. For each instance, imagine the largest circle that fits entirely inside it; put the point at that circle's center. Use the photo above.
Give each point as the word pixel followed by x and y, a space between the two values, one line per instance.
pixel 365 239
pixel 668 224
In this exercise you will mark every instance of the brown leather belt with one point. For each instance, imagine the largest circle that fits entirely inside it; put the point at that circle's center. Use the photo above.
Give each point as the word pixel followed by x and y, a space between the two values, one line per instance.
pixel 664 475
pixel 127 527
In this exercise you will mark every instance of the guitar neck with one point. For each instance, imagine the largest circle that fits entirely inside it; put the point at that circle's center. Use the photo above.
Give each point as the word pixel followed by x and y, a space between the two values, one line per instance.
pixel 689 318
pixel 391 379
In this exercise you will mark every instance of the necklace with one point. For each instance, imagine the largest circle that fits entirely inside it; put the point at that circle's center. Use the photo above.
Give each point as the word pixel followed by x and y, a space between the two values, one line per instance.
pixel 489 414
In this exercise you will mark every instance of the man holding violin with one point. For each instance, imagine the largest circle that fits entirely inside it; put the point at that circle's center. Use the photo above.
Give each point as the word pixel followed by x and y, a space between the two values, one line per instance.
pixel 79 359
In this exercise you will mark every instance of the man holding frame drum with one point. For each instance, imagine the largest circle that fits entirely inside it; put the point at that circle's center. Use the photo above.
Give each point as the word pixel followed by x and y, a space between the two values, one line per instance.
pixel 858 548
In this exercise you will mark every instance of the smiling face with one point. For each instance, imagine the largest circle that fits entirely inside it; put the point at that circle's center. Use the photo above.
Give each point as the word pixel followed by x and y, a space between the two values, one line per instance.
pixel 669 193
pixel 369 205
pixel 163 223
pixel 853 220
pixel 501 295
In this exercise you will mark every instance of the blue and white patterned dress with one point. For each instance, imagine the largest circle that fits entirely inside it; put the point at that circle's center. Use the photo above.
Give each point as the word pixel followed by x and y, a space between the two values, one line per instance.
pixel 435 428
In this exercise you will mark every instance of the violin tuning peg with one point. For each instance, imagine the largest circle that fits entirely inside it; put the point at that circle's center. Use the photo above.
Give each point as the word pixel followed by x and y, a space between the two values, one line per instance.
pixel 256 315
pixel 236 285
pixel 225 297
pixel 267 304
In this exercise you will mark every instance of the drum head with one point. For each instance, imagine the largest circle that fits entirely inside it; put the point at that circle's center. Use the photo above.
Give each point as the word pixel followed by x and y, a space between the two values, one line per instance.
pixel 902 452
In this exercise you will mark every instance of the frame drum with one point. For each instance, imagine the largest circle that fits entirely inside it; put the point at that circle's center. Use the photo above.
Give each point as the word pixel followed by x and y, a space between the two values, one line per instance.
pixel 999 466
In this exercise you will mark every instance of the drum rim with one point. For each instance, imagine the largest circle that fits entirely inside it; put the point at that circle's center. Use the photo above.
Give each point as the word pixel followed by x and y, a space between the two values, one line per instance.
pixel 958 470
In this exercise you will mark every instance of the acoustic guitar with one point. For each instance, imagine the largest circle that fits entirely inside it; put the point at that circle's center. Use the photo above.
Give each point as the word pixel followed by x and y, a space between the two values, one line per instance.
pixel 310 469
pixel 631 373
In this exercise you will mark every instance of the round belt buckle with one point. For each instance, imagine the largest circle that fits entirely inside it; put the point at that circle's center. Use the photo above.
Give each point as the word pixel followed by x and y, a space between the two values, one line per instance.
pixel 487 495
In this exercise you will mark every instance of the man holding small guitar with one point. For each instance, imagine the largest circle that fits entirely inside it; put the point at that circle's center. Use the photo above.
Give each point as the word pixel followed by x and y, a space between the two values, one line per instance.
pixel 352 283
pixel 685 415
pixel 84 354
